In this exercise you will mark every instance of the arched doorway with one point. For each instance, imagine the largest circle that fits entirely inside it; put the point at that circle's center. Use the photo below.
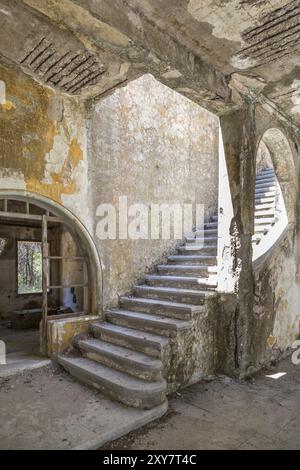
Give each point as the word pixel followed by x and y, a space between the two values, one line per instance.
pixel 274 191
pixel 50 265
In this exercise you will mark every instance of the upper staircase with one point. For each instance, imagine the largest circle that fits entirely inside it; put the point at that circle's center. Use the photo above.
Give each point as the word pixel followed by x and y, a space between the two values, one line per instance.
pixel 265 204
pixel 127 357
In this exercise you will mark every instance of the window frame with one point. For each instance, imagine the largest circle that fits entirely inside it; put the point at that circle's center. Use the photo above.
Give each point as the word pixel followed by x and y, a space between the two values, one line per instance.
pixel 35 294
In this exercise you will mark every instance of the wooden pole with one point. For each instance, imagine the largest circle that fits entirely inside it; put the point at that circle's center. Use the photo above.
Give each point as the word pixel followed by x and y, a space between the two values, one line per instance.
pixel 45 267
pixel 86 299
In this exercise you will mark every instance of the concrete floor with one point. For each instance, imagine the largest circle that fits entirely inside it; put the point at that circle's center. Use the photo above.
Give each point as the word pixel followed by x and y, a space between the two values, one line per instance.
pixel 263 413
pixel 22 350
pixel 47 409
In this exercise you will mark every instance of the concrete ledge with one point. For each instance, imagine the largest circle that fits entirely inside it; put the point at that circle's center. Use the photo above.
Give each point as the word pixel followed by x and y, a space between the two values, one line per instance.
pixel 134 423
pixel 61 332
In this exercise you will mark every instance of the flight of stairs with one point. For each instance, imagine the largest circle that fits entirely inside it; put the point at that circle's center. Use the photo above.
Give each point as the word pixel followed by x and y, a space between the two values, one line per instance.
pixel 127 356
pixel 265 201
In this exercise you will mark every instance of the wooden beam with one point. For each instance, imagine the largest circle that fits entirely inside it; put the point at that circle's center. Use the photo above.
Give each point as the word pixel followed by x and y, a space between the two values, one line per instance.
pixel 72 258
pixel 45 282
pixel 67 287
pixel 20 215
pixel 86 298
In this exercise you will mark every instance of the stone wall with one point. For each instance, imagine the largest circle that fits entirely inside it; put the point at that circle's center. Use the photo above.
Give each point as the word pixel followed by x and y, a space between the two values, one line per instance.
pixel 154 146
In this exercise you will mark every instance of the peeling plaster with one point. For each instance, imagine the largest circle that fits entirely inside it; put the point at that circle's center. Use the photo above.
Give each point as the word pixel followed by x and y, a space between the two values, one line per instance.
pixel 295 98
pixel 230 18
pixel 10 178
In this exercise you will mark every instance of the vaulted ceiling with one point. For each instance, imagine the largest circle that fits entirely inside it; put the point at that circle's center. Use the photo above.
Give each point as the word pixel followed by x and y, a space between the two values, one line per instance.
pixel 200 48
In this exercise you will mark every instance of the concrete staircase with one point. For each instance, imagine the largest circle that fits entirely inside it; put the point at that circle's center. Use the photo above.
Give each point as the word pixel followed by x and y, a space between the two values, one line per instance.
pixel 126 356
pixel 265 201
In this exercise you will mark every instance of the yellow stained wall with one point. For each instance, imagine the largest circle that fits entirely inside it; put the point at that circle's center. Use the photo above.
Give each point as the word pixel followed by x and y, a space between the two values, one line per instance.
pixel 41 136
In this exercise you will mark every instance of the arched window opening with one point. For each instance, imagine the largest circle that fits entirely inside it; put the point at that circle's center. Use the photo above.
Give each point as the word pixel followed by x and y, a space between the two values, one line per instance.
pixel 273 189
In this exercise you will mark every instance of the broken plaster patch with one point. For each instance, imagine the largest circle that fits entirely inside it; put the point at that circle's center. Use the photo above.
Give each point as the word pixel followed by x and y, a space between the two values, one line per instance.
pixel 11 179
pixel 295 98
pixel 229 19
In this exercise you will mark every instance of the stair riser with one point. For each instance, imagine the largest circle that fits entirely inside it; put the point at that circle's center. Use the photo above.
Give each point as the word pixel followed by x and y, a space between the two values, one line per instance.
pixel 179 284
pixel 156 310
pixel 263 222
pixel 261 201
pixel 127 397
pixel 202 243
pixel 266 174
pixel 119 363
pixel 206 233
pixel 209 261
pixel 264 214
pixel 264 207
pixel 202 273
pixel 194 249
pixel 265 184
pixel 139 345
pixel 264 194
pixel 181 298
pixel 141 325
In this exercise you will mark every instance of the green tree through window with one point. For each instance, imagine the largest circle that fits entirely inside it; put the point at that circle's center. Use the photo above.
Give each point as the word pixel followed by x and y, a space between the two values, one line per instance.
pixel 29 267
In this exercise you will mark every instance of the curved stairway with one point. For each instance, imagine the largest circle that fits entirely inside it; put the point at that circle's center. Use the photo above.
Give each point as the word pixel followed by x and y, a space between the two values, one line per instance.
pixel 265 204
pixel 124 357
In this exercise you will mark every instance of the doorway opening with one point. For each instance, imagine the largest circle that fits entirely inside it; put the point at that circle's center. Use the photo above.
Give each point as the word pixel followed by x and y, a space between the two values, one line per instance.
pixel 45 274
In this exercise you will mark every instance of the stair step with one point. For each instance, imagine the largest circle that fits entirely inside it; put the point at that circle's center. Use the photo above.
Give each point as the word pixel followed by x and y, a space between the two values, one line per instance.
pixel 158 324
pixel 173 294
pixel 265 221
pixel 214 218
pixel 142 341
pixel 158 306
pixel 264 194
pixel 265 179
pixel 264 189
pixel 265 173
pixel 264 207
pixel 180 281
pixel 265 213
pixel 206 232
pixel 195 252
pixel 265 176
pixel 117 385
pixel 185 269
pixel 190 258
pixel 260 229
pixel 206 249
pixel 256 240
pixel 266 200
pixel 127 360
pixel 210 225
pixel 202 240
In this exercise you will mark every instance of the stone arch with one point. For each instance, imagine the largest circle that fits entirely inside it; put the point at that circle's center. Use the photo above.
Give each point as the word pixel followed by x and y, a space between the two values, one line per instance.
pixel 80 234
pixel 283 162
pixel 275 191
